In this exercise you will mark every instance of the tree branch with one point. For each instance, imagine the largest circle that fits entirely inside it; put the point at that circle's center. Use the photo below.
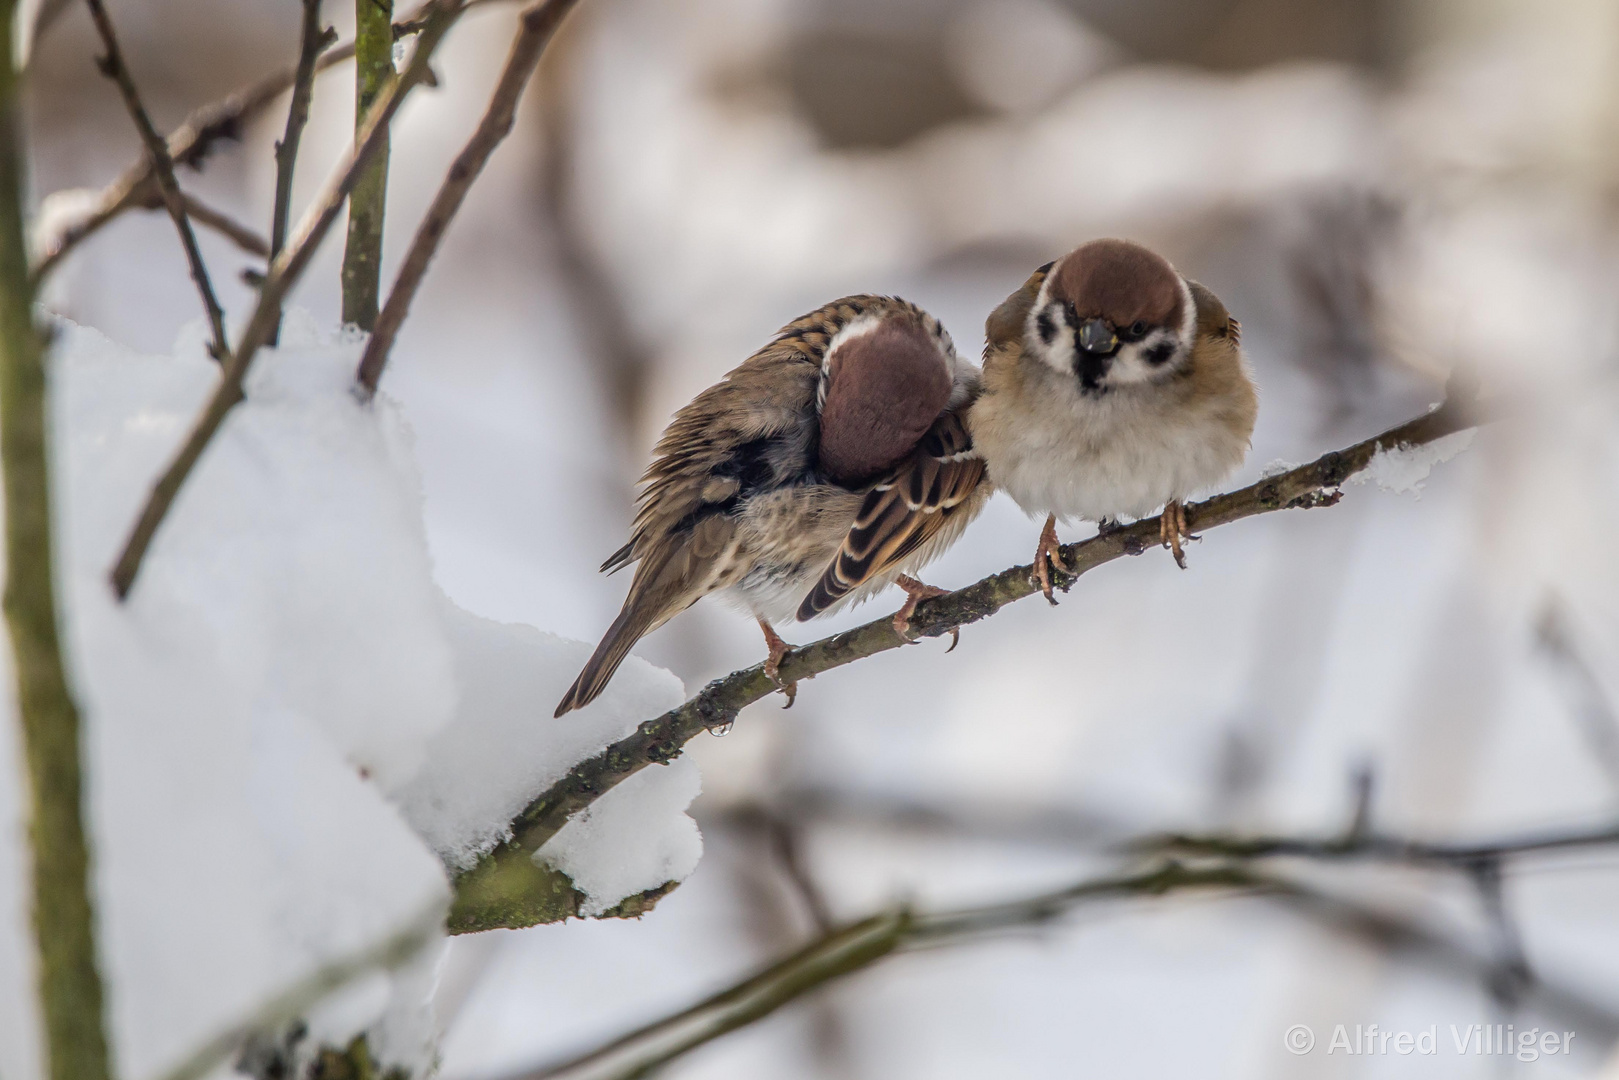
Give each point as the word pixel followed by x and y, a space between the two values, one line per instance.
pixel 113 66
pixel 284 272
pixel 70 990
pixel 846 949
pixel 192 142
pixel 851 948
pixel 312 42
pixel 480 904
pixel 362 252
pixel 1380 847
pixel 536 26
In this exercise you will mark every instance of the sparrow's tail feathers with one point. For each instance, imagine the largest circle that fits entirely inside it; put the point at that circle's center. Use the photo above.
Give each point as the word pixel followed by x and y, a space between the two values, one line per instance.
pixel 630 626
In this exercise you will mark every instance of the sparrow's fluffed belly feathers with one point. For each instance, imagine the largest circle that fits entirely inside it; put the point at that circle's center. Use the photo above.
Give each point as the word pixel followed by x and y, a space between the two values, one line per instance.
pixel 1112 386
pixel 789 536
pixel 1057 450
pixel 829 463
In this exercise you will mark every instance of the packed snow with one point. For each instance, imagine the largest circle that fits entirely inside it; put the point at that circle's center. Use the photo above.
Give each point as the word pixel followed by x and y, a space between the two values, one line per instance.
pixel 1403 469
pixel 290 731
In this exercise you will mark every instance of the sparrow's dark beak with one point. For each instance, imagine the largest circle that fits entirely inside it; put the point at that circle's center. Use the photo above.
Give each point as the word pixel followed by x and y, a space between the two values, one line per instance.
pixel 1097 336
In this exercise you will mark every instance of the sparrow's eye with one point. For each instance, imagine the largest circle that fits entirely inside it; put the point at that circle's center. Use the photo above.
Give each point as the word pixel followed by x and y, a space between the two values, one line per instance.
pixel 1138 329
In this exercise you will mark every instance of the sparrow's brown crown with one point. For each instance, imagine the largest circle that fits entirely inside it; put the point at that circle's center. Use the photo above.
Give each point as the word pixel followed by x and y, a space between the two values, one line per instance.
pixel 1120 282
pixel 885 388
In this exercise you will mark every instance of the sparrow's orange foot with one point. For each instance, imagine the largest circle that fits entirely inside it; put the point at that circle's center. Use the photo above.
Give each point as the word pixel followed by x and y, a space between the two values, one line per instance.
pixel 1048 554
pixel 1172 530
pixel 915 593
pixel 778 650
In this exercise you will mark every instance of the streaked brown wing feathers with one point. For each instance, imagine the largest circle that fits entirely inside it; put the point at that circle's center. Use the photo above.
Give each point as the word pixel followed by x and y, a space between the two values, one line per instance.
pixel 904 511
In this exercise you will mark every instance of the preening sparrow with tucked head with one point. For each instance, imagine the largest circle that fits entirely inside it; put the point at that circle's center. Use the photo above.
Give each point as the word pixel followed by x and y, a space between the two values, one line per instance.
pixel 1112 386
pixel 826 467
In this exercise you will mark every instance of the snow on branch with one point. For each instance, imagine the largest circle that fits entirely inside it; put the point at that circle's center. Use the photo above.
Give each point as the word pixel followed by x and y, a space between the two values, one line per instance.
pixel 496 892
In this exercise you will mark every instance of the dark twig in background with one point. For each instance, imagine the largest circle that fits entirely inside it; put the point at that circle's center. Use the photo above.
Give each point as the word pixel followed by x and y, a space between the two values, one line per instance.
pixel 1382 848
pixel 362 251
pixel 189 144
pixel 70 989
pixel 601 313
pixel 243 237
pixel 113 66
pixel 284 271
pixel 843 950
pixel 485 894
pixel 195 138
pixel 192 142
pixel 536 25
pixel 1511 975
pixel 1592 709
pixel 312 42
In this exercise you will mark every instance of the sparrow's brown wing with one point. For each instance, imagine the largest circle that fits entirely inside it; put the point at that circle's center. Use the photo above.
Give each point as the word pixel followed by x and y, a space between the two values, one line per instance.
pixel 753 431
pixel 905 510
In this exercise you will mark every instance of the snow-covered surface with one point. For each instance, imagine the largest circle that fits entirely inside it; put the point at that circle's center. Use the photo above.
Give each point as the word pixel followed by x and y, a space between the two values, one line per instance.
pixel 502 746
pixel 284 695
pixel 1404 469
pixel 610 852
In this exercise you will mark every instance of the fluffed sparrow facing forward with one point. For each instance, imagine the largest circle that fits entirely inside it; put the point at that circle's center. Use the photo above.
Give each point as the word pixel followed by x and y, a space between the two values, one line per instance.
pixel 1112 386
pixel 826 467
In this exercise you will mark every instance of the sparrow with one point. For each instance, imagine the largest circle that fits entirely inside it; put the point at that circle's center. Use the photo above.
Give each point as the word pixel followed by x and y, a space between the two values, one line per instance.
pixel 832 463
pixel 1112 386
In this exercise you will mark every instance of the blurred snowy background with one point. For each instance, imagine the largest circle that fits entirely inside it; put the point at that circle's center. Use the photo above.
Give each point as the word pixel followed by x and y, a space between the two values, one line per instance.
pixel 1378 190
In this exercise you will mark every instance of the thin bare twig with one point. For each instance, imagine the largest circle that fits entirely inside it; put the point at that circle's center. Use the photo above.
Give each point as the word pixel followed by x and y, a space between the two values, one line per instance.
pixel 195 139
pixel 536 26
pixel 222 223
pixel 189 144
pixel 482 895
pixel 1592 709
pixel 1511 975
pixel 283 273
pixel 113 66
pixel 1381 847
pixel 312 42
pixel 784 840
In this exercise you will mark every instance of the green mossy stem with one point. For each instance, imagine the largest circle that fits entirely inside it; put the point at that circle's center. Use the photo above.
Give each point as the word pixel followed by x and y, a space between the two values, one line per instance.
pixel 70 991
pixel 362 253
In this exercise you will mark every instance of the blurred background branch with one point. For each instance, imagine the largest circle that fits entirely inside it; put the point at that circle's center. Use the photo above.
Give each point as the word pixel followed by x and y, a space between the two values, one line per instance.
pixel 284 272
pixel 842 950
pixel 536 25
pixel 313 40
pixel 113 66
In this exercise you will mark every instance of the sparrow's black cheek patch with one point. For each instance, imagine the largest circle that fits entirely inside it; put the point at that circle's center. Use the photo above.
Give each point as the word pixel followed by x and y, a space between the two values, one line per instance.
pixel 1160 353
pixel 1047 328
